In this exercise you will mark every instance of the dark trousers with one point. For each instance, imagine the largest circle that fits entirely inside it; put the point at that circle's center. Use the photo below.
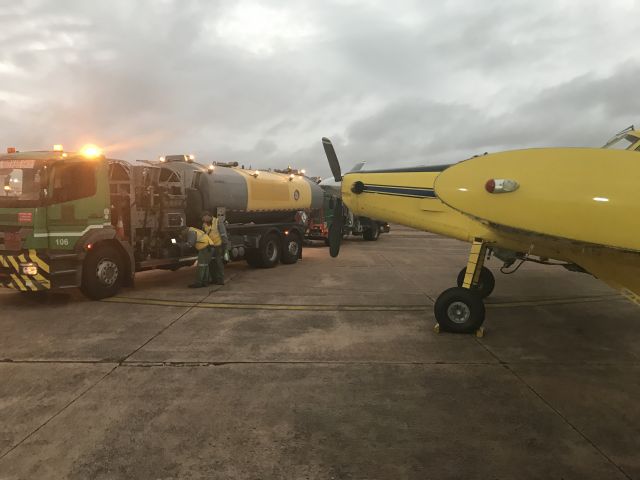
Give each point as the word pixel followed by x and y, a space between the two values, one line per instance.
pixel 202 270
pixel 216 266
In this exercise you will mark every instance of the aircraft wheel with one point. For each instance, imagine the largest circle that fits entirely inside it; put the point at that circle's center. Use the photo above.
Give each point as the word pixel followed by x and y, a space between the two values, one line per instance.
pixel 459 310
pixel 486 283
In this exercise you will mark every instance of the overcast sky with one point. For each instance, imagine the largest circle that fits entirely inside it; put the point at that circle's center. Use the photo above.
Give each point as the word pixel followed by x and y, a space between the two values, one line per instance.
pixel 394 83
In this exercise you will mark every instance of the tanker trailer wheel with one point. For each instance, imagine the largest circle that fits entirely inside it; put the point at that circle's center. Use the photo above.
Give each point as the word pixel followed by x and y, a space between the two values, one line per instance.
pixel 102 273
pixel 291 248
pixel 268 252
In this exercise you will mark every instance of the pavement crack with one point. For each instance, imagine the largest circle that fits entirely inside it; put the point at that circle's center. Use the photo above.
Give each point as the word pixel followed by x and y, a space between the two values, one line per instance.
pixel 90 387
pixel 550 406
pixel 407 278
pixel 162 330
pixel 67 405
pixel 568 422
pixel 61 362
pixel 218 363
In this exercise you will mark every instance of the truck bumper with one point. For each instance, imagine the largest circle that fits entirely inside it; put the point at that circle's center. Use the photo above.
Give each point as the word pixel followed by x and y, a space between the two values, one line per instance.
pixel 26 271
pixel 317 232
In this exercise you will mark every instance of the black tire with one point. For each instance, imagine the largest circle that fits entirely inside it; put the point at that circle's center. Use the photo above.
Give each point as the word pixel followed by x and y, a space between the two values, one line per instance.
pixel 253 258
pixel 268 252
pixel 459 310
pixel 291 248
pixel 371 234
pixel 102 273
pixel 486 282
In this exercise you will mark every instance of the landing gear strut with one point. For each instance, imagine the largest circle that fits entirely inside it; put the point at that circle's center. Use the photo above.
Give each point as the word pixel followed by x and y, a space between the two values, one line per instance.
pixel 461 309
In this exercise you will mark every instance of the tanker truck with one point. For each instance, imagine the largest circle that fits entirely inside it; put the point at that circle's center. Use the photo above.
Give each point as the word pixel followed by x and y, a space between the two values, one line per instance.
pixel 79 219
pixel 321 220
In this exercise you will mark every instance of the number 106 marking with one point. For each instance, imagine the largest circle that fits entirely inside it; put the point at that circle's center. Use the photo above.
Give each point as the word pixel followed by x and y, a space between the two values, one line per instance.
pixel 62 242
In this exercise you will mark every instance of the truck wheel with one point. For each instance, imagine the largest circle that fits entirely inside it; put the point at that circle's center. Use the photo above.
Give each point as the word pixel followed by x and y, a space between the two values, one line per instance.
pixel 291 247
pixel 371 234
pixel 102 273
pixel 253 258
pixel 269 250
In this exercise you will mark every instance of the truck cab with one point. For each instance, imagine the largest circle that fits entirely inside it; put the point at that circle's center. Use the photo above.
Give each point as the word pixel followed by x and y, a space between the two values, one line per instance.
pixel 52 204
pixel 78 219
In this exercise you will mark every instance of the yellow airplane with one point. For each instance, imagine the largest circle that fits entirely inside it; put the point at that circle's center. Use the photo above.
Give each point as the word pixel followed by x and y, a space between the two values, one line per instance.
pixel 577 206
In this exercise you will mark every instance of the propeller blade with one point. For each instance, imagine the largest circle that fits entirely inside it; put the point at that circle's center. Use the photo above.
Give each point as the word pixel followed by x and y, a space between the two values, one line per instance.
pixel 335 230
pixel 333 159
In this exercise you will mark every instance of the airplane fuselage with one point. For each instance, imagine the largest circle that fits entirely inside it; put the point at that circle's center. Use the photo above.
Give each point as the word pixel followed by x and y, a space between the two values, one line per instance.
pixel 412 197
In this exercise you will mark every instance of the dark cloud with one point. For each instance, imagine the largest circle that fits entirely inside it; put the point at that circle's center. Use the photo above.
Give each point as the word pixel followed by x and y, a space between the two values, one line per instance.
pixel 261 81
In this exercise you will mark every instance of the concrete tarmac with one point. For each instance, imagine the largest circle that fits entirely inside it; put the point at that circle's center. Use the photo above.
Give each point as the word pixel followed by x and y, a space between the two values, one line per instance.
pixel 327 369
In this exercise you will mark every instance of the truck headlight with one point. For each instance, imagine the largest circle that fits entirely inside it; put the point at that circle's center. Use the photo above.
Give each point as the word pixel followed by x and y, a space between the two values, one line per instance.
pixel 29 268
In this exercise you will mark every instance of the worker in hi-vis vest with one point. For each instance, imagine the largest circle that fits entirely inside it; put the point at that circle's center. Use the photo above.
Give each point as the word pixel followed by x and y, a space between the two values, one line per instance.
pixel 203 244
pixel 217 232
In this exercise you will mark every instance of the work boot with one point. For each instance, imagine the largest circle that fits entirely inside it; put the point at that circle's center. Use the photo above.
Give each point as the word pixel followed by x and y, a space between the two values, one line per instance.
pixel 196 285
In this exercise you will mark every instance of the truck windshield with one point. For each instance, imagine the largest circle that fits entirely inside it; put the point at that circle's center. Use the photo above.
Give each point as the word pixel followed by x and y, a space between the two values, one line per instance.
pixel 20 181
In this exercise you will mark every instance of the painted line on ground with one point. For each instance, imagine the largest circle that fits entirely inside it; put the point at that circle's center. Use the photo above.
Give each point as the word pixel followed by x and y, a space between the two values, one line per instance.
pixel 556 301
pixel 267 306
pixel 348 308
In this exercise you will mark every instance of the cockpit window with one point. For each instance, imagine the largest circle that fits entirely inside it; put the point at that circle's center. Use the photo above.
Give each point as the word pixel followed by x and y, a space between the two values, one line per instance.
pixel 623 142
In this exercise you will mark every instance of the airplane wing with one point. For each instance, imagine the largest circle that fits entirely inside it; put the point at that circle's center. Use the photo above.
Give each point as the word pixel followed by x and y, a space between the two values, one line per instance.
pixel 357 167
pixel 619 270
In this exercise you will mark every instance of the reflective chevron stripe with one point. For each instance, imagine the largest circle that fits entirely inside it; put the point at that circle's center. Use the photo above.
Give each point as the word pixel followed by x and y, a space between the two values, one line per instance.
pixel 11 275
pixel 38 261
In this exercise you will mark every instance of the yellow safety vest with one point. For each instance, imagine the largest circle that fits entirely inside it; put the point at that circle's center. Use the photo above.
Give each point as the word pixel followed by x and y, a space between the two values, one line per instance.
pixel 202 239
pixel 213 232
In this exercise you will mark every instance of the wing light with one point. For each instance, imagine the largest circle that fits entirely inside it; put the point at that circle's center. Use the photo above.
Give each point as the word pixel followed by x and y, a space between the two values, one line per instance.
pixel 501 185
